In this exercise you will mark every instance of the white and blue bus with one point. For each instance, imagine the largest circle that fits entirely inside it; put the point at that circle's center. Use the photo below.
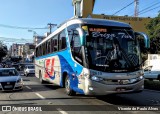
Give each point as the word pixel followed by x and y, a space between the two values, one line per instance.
pixel 92 57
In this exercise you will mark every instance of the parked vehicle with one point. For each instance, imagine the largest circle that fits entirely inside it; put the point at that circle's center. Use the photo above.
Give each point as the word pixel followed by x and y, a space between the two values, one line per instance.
pixel 10 79
pixel 152 67
pixel 29 70
pixel 21 67
pixel 151 74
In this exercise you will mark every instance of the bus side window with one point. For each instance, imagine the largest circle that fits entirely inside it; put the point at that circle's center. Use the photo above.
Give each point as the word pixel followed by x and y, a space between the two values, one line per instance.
pixel 36 52
pixel 43 46
pixel 62 40
pixel 46 51
pixel 75 44
pixel 64 45
pixel 54 45
pixel 77 52
pixel 40 50
pixel 49 46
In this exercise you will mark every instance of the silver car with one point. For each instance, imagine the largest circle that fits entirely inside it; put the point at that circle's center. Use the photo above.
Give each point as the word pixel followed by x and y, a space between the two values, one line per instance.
pixel 29 69
pixel 151 74
pixel 10 79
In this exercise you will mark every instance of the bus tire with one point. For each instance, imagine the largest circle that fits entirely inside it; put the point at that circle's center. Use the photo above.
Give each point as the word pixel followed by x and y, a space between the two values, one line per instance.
pixel 69 91
pixel 40 78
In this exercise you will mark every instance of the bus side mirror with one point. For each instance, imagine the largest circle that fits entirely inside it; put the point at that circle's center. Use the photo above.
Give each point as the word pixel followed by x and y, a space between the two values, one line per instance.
pixel 82 35
pixel 143 39
pixel 144 43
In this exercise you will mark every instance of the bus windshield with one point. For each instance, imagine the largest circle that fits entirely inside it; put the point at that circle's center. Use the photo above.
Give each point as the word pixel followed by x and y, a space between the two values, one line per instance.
pixel 112 49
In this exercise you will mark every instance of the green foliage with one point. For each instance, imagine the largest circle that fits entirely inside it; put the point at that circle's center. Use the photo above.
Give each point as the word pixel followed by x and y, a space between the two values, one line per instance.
pixel 154 27
pixel 154 33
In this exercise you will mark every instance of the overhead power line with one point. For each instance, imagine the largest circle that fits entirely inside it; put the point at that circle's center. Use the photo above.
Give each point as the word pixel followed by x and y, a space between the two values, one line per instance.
pixel 148 7
pixel 123 8
pixel 6 39
pixel 17 27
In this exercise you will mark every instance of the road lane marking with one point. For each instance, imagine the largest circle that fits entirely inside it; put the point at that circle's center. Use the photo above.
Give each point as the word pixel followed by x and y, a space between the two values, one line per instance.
pixel 28 87
pixel 61 111
pixel 40 96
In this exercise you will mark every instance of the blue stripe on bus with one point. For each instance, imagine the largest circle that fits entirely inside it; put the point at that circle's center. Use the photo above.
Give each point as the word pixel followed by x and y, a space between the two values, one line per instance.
pixel 67 65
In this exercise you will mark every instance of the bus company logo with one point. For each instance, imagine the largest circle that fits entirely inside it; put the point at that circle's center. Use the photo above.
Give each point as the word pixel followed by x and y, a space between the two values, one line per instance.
pixel 97 29
pixel 49 67
pixel 6 108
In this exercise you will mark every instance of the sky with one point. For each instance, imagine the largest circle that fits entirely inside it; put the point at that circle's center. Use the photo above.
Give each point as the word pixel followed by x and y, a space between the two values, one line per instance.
pixel 38 13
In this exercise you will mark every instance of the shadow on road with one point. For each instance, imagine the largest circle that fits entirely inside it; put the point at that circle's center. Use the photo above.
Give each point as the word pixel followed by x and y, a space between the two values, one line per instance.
pixel 115 99
pixel 145 98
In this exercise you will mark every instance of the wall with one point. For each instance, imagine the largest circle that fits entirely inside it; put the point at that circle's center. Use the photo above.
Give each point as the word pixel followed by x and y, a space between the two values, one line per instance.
pixel 138 24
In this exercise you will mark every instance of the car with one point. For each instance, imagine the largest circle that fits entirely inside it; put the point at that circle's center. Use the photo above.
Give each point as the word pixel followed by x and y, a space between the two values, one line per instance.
pixel 21 67
pixel 10 79
pixel 29 69
pixel 16 66
pixel 151 74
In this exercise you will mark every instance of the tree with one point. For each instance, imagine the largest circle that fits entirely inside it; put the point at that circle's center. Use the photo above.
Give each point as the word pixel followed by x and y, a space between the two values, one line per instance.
pixel 154 33
pixel 3 50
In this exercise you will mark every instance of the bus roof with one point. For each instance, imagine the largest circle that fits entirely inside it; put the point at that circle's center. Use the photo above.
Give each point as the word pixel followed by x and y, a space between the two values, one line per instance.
pixel 86 21
pixel 99 22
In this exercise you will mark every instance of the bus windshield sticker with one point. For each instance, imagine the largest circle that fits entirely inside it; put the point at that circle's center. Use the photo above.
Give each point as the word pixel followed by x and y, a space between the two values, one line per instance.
pixel 125 36
pixel 98 30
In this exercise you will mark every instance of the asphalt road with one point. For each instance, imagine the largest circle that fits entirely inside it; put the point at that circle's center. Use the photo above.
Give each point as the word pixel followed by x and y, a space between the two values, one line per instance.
pixel 35 93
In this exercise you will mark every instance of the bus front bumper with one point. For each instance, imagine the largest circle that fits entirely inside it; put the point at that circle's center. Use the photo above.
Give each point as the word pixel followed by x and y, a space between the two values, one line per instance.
pixel 97 88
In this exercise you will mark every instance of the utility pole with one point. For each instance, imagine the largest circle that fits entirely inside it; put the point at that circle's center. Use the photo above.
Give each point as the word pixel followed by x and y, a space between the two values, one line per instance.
pixel 78 7
pixel 136 10
pixel 51 26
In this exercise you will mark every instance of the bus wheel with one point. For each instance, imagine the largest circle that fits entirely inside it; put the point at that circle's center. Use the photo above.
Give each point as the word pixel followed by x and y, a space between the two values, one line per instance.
pixel 40 78
pixel 69 91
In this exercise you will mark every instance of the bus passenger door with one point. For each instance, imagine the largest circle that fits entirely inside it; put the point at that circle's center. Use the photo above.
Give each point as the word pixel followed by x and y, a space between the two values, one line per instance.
pixel 77 50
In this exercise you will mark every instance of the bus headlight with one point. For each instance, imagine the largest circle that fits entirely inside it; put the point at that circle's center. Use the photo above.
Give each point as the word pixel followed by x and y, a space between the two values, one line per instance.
pixel 140 77
pixel 95 78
